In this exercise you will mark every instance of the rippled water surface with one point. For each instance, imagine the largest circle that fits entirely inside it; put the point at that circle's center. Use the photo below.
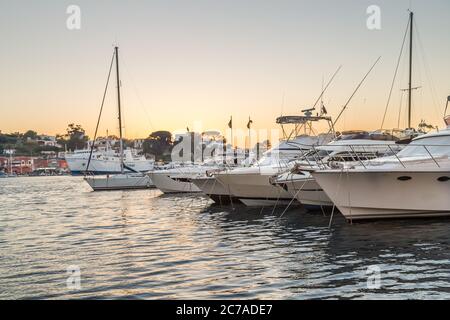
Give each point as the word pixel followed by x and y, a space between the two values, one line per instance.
pixel 142 244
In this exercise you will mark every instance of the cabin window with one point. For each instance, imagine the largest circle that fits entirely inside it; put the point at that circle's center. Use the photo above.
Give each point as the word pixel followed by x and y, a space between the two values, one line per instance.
pixel 404 178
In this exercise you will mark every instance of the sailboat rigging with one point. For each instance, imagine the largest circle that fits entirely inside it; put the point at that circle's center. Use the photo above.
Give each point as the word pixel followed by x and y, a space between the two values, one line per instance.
pixel 123 180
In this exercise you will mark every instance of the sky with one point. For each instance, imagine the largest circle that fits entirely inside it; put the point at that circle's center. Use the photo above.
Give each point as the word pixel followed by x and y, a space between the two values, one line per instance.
pixel 196 61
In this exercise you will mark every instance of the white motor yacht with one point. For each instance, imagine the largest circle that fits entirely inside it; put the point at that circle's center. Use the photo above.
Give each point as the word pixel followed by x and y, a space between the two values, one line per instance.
pixel 413 183
pixel 177 179
pixel 252 185
pixel 106 162
pixel 349 147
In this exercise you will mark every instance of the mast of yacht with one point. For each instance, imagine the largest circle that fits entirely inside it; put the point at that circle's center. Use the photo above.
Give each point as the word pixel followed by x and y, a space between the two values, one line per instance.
pixel 411 20
pixel 119 110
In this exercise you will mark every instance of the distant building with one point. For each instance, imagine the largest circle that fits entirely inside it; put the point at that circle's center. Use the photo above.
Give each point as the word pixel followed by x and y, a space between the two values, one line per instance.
pixel 17 165
pixel 27 165
pixel 9 151
pixel 48 141
pixel 138 144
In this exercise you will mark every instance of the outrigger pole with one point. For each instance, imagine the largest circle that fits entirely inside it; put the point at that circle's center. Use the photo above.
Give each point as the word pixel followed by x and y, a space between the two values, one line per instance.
pixel 354 92
pixel 326 87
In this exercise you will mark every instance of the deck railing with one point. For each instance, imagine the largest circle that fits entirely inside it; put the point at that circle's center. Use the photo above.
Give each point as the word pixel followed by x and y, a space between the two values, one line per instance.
pixel 375 154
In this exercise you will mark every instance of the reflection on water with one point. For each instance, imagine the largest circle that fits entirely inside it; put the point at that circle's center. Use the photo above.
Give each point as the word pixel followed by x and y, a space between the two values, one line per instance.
pixel 142 244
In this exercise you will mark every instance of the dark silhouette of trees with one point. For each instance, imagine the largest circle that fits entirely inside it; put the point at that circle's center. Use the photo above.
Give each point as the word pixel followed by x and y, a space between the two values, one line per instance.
pixel 159 144
pixel 76 137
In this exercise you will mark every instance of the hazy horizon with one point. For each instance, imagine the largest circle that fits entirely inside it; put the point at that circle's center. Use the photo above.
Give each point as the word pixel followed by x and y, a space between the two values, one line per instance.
pixel 189 61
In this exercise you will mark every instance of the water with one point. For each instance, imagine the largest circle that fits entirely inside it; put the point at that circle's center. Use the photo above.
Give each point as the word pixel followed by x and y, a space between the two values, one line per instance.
pixel 145 245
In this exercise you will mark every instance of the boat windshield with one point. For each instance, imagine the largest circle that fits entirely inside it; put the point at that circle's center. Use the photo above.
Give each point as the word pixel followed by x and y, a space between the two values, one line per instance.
pixel 270 159
pixel 437 147
pixel 363 135
pixel 315 155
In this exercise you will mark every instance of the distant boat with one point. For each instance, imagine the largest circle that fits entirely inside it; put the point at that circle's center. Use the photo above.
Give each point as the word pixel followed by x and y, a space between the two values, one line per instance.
pixel 127 166
pixel 106 161
pixel 181 177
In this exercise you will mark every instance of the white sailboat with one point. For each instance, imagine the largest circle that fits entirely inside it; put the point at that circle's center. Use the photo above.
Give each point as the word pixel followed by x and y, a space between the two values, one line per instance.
pixel 132 179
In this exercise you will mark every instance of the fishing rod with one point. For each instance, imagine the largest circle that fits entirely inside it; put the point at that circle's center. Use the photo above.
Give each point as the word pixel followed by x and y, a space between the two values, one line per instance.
pixel 326 87
pixel 354 92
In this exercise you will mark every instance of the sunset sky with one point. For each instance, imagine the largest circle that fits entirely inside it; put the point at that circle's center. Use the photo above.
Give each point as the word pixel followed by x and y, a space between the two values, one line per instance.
pixel 196 60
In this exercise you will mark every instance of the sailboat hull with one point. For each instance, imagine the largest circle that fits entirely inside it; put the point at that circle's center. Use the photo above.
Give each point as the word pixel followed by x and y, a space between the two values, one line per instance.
pixel 119 182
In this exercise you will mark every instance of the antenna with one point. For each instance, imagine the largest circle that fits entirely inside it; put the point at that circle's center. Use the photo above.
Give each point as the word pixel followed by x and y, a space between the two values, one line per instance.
pixel 321 98
pixel 282 103
pixel 326 87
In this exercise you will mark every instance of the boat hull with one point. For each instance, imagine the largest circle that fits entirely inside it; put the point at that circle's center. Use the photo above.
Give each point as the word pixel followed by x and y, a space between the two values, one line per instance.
pixel 306 190
pixel 169 183
pixel 119 182
pixel 215 190
pixel 389 194
pixel 255 189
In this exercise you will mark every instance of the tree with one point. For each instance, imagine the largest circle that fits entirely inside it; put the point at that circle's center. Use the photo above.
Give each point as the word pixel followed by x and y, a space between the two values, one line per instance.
pixel 76 137
pixel 159 144
pixel 30 134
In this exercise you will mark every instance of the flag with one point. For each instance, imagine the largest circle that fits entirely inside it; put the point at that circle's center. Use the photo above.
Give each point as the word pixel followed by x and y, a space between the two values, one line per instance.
pixel 448 98
pixel 249 123
pixel 188 129
pixel 230 124
pixel 324 110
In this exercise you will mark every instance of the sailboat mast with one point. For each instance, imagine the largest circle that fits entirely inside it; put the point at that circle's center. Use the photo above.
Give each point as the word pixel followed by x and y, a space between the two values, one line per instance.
pixel 120 111
pixel 411 17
